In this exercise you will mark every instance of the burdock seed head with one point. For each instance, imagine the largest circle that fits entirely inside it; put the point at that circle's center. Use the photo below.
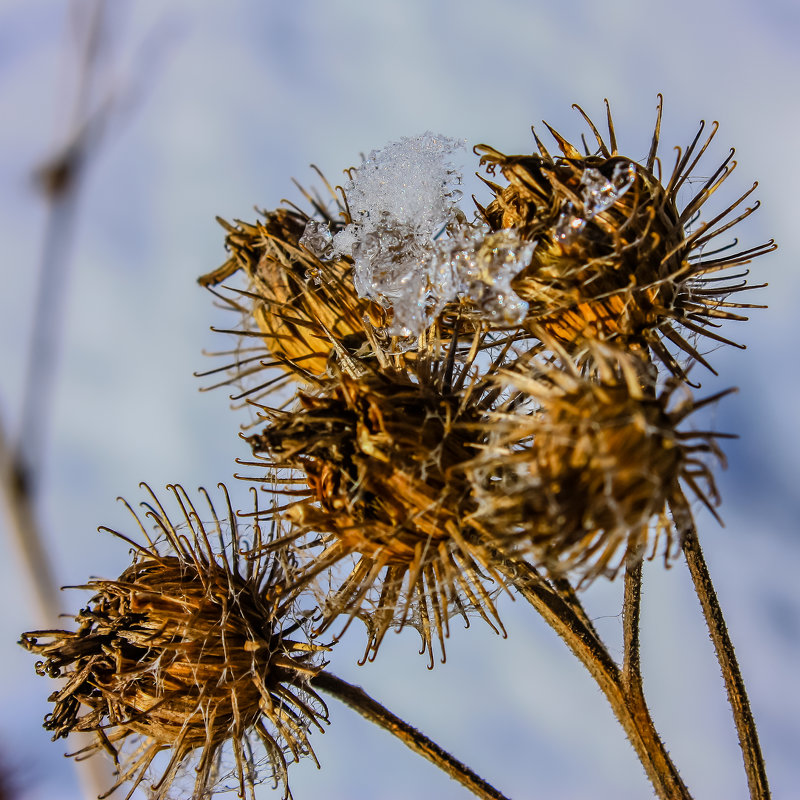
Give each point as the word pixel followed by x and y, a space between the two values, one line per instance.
pixel 586 480
pixel 372 468
pixel 293 302
pixel 618 256
pixel 189 652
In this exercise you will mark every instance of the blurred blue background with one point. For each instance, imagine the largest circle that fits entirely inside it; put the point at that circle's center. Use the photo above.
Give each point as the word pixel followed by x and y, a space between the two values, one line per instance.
pixel 218 107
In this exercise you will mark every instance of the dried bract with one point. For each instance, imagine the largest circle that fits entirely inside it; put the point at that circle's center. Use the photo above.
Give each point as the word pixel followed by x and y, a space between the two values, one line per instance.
pixel 188 652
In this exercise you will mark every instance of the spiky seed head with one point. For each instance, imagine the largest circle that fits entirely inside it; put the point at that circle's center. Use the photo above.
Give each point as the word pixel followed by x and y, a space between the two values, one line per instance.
pixel 297 300
pixel 585 482
pixel 293 305
pixel 377 459
pixel 618 256
pixel 189 652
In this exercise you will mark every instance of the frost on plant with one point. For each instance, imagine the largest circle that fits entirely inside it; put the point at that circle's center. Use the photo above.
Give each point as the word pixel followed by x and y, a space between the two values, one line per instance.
pixel 401 199
pixel 598 194
pixel 317 237
pixel 412 247
pixel 482 265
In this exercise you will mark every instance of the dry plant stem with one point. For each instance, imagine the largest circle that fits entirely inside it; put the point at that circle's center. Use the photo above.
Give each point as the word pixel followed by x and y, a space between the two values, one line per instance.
pixel 360 701
pixel 631 667
pixel 47 330
pixel 25 533
pixel 737 695
pixel 564 589
pixel 626 702
pixel 631 607
pixel 60 181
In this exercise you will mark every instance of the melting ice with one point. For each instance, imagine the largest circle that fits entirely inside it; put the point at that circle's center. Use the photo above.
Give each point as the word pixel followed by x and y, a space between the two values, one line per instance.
pixel 317 237
pixel 412 248
pixel 598 193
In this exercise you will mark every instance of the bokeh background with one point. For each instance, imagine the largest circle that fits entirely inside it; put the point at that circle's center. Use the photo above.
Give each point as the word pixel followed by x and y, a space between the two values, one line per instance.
pixel 215 107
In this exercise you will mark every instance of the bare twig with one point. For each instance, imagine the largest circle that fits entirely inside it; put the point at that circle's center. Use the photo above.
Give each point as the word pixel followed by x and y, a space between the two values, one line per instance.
pixel 360 701
pixel 25 534
pixel 60 181
pixel 20 463
pixel 737 694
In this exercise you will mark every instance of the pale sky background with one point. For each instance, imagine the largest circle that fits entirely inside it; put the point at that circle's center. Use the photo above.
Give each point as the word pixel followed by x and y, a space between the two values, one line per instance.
pixel 231 100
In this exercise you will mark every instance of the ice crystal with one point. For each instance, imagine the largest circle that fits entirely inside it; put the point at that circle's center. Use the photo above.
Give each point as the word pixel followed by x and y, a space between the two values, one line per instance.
pixel 569 224
pixel 400 199
pixel 412 248
pixel 598 194
pixel 317 238
pixel 481 265
pixel 413 182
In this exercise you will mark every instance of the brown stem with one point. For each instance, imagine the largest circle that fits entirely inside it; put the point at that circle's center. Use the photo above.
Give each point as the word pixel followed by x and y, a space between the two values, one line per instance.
pixel 737 695
pixel 631 607
pixel 628 705
pixel 360 701
pixel 567 593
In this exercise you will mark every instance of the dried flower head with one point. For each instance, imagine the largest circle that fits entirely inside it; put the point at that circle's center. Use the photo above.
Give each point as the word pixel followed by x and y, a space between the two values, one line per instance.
pixel 618 257
pixel 372 464
pixel 188 653
pixel 294 302
pixel 585 480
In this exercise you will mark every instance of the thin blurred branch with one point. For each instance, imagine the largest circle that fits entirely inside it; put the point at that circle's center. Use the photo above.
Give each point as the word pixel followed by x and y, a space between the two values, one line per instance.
pixel 20 461
pixel 21 457
pixel 60 181
pixel 25 533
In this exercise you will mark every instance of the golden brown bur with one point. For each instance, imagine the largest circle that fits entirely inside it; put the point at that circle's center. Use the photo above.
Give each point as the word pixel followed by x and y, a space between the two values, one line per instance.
pixel 586 480
pixel 293 302
pixel 188 653
pixel 372 466
pixel 618 256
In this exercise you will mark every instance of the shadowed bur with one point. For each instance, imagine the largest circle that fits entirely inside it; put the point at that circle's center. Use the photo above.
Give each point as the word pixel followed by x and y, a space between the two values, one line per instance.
pixel 583 483
pixel 618 257
pixel 371 469
pixel 189 653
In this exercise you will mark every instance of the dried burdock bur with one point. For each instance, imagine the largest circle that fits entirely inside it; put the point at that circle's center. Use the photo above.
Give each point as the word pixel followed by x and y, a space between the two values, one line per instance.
pixel 370 465
pixel 193 653
pixel 618 255
pixel 292 302
pixel 583 480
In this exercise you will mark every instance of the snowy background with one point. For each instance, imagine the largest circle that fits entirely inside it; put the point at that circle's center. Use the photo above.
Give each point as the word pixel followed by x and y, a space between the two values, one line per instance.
pixel 226 103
